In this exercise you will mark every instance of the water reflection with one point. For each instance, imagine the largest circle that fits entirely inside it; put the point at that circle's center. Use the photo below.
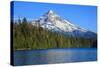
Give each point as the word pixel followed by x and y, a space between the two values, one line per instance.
pixel 58 56
pixel 54 56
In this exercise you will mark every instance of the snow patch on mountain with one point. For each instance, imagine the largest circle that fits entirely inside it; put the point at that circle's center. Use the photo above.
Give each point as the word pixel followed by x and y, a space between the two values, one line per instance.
pixel 54 22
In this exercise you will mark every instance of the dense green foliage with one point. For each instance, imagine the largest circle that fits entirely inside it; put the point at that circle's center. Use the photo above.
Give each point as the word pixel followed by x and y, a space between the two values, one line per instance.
pixel 27 36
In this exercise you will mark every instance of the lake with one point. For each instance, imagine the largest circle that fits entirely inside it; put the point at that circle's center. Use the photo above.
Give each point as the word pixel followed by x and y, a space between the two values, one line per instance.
pixel 51 56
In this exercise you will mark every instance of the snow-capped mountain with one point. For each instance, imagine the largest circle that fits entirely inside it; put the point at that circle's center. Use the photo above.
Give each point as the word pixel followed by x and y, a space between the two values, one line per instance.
pixel 54 22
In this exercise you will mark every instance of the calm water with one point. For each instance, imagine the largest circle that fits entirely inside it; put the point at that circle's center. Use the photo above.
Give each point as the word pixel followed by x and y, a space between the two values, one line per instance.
pixel 49 56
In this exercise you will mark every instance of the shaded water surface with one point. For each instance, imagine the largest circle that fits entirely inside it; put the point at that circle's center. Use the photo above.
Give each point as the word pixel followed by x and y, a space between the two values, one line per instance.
pixel 49 56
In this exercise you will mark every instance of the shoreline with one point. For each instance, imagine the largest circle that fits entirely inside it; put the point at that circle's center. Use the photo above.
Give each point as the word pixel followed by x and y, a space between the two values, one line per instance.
pixel 51 49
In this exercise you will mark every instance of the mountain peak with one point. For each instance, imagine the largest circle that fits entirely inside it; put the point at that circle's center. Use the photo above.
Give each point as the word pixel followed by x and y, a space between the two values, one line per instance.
pixel 51 15
pixel 54 22
pixel 50 12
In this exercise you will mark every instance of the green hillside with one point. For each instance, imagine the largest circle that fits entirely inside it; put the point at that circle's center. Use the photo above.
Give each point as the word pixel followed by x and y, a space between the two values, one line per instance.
pixel 26 37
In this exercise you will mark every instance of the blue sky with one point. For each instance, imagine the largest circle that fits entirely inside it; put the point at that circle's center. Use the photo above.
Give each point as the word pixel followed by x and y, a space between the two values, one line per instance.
pixel 83 16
